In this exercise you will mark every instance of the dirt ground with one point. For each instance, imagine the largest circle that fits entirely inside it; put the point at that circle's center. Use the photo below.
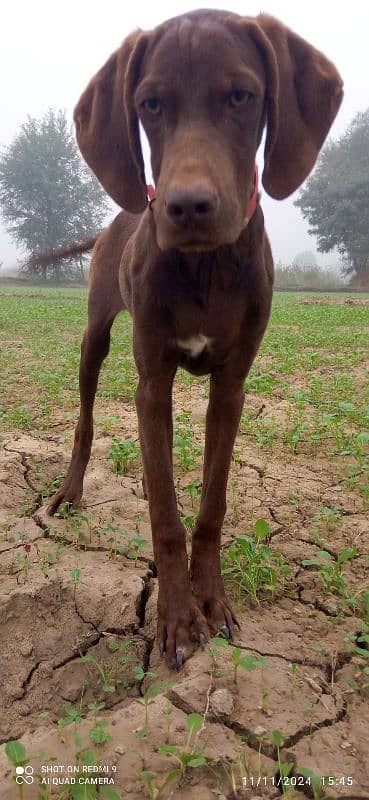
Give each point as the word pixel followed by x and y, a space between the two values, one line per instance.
pixel 67 591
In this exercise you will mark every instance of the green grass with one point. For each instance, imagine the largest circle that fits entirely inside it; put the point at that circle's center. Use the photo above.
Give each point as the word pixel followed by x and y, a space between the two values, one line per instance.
pixel 41 331
pixel 314 364
pixel 313 360
pixel 250 567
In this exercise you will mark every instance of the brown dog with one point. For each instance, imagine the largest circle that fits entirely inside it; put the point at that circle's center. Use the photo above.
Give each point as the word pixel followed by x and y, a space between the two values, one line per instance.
pixel 193 271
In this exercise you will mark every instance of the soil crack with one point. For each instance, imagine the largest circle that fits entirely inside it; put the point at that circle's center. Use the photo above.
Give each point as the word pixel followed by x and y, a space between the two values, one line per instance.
pixel 275 519
pixel 91 638
pixel 28 679
pixel 303 662
pixel 143 598
pixel 249 736
pixel 26 467
pixel 260 471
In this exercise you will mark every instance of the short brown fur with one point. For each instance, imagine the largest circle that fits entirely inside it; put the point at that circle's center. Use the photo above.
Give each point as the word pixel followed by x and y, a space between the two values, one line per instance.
pixel 204 85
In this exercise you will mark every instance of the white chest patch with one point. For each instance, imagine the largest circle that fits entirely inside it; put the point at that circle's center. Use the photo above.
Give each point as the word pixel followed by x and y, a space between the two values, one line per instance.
pixel 194 345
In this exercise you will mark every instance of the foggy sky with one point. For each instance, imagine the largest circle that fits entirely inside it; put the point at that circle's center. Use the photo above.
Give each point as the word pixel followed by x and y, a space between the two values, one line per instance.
pixel 49 51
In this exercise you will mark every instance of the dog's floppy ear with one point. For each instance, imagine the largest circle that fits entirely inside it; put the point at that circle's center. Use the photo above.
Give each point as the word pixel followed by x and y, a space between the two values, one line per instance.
pixel 107 127
pixel 303 99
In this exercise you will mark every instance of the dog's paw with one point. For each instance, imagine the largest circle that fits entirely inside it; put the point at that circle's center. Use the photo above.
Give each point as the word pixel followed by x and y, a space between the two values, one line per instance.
pixel 216 609
pixel 181 629
pixel 69 493
pixel 220 617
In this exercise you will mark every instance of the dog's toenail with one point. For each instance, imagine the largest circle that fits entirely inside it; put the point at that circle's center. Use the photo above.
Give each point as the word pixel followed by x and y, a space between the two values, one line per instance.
pixel 178 658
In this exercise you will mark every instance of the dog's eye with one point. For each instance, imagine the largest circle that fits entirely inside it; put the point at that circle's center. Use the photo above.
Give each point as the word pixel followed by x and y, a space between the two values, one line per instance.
pixel 152 105
pixel 239 97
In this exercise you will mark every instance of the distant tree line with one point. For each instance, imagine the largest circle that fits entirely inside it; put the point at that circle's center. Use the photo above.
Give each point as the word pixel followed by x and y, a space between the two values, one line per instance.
pixel 305 274
pixel 48 197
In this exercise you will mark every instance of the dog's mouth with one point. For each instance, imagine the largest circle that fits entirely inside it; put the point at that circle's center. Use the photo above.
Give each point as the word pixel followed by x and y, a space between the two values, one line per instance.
pixel 194 243
pixel 196 238
pixel 197 247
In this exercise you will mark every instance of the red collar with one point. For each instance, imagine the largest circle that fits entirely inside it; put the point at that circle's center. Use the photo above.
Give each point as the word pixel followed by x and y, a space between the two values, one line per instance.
pixel 150 192
pixel 253 201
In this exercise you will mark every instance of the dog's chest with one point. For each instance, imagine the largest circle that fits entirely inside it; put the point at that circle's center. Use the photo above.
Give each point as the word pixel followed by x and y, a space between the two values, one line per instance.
pixel 203 331
pixel 206 333
pixel 194 346
pixel 207 309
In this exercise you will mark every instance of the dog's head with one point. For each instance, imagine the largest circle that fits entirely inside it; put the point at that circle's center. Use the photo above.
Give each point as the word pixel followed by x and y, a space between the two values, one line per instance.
pixel 204 85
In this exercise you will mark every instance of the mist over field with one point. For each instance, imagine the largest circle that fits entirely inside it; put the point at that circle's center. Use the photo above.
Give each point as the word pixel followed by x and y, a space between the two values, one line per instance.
pixel 53 61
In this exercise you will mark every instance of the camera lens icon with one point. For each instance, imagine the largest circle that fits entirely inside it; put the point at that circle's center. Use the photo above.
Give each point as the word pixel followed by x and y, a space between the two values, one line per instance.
pixel 24 774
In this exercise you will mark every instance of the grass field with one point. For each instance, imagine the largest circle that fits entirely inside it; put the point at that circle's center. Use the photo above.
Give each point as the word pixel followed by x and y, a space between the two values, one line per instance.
pixel 295 558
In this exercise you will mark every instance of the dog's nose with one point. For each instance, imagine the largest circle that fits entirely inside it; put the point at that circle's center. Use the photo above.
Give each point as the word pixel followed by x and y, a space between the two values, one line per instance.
pixel 191 206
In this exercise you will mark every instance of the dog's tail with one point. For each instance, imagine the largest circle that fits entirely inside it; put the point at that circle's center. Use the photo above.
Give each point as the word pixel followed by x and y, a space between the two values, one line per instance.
pixel 54 256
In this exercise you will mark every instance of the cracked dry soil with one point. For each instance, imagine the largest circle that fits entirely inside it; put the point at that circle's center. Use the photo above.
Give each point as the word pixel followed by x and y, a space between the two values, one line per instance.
pixel 87 597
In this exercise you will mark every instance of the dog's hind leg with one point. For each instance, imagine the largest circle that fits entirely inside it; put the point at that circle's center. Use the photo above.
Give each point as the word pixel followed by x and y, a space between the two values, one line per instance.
pixel 103 305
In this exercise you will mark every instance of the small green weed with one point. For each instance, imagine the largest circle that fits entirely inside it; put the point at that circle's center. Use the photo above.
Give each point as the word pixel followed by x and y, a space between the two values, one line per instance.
pixel 24 562
pixel 49 560
pixel 113 534
pixel 107 684
pixel 246 662
pixel 238 659
pixel 20 418
pixel 265 384
pixel 189 755
pixel 124 660
pixel 52 485
pixel 131 547
pixel 265 430
pixel 151 691
pixel 185 447
pixel 329 570
pixel 284 767
pixel 123 454
pixel 189 522
pixel 98 734
pixel 194 490
pixel 328 518
pixel 16 754
pixel 251 567
pixel 314 782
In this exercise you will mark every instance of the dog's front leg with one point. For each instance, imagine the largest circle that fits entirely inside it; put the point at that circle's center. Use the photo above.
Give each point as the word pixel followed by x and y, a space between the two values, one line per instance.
pixel 222 420
pixel 180 623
